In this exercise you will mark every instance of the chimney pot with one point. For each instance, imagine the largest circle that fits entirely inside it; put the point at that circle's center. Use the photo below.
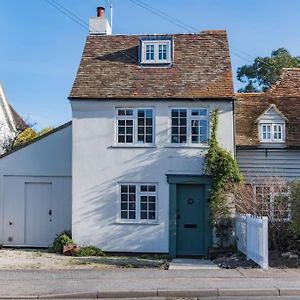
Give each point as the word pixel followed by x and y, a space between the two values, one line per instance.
pixel 100 12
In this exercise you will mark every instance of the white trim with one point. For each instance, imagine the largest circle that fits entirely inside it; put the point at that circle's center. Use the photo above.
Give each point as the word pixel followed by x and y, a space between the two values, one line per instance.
pixel 189 143
pixel 156 44
pixel 134 117
pixel 272 125
pixel 138 219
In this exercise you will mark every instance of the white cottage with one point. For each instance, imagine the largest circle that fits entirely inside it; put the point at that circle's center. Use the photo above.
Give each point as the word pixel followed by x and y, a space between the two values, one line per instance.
pixel 10 121
pixel 141 109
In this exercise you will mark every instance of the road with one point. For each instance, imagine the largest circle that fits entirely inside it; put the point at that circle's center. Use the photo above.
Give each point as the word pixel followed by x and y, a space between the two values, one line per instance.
pixel 156 282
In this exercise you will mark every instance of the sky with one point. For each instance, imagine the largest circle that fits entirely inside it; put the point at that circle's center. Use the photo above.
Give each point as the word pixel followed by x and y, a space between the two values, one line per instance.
pixel 40 48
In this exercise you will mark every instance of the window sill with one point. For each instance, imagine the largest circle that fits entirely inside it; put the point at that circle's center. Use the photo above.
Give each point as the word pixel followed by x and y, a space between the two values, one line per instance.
pixel 119 222
pixel 132 146
pixel 198 146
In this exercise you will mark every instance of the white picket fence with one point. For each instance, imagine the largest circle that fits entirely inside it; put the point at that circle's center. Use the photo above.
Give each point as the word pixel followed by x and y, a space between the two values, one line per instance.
pixel 252 238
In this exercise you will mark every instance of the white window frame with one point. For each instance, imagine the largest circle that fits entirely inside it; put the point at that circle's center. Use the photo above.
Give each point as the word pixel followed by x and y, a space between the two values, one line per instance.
pixel 138 219
pixel 272 133
pixel 189 127
pixel 134 117
pixel 156 44
pixel 273 195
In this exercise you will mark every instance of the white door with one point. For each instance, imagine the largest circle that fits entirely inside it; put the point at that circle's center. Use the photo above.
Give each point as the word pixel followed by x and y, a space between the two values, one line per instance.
pixel 38 214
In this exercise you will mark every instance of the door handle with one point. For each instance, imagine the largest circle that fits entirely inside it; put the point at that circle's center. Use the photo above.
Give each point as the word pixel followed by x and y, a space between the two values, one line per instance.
pixel 50 212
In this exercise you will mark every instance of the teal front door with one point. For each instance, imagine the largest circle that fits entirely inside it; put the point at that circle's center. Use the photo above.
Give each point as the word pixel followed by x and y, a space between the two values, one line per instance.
pixel 190 231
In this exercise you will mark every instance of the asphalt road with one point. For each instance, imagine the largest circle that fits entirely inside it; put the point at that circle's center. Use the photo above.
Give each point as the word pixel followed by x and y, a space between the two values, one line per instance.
pixel 25 283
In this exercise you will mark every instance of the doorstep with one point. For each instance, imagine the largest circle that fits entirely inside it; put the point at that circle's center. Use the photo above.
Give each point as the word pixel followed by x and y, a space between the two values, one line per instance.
pixel 192 264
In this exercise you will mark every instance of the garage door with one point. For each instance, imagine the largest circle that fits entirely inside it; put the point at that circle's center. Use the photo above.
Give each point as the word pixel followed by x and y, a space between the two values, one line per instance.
pixel 35 209
pixel 38 213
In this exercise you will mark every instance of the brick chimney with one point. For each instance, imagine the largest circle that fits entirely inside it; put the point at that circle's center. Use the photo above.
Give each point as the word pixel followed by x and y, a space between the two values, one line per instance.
pixel 100 12
pixel 100 25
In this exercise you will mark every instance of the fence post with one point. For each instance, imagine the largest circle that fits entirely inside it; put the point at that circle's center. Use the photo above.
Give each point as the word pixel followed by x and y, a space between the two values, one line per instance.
pixel 248 235
pixel 266 243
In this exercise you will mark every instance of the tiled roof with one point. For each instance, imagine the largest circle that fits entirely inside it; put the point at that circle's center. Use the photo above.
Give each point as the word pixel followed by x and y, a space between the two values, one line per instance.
pixel 19 121
pixel 285 94
pixel 109 69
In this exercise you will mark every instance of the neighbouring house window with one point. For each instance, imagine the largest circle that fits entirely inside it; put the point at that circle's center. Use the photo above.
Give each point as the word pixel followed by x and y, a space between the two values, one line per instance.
pixel 189 126
pixel 272 132
pixel 156 51
pixel 138 202
pixel 272 202
pixel 135 126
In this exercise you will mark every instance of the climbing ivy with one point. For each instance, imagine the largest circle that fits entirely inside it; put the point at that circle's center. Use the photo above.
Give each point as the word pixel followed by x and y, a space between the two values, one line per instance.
pixel 224 171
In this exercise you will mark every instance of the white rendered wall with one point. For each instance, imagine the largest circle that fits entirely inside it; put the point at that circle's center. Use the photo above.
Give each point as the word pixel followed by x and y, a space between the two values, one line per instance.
pixel 98 167
pixel 47 160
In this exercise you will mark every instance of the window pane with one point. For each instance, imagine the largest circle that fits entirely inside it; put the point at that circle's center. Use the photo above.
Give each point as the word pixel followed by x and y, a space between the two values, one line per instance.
pixel 152 215
pixel 131 215
pixel 132 189
pixel 148 202
pixel 199 130
pixel 143 215
pixel 162 52
pixel 128 201
pixel 179 126
pixel 149 52
pixel 152 188
pixel 124 188
pixel 124 215
pixel 145 127
pixel 143 188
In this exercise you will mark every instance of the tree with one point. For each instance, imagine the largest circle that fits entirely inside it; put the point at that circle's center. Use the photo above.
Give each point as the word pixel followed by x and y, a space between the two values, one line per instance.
pixel 265 70
pixel 21 136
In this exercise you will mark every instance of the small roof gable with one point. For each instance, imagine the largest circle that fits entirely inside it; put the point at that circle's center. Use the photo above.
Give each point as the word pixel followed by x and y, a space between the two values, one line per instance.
pixel 110 69
pixel 270 108
pixel 7 113
pixel 13 119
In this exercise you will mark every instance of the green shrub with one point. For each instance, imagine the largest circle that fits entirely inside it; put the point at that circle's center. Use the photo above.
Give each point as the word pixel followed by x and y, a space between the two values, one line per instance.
pixel 61 240
pixel 224 170
pixel 89 251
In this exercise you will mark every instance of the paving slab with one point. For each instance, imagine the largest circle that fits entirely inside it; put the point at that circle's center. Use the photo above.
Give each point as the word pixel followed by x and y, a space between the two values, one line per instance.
pixel 192 264
pixel 270 273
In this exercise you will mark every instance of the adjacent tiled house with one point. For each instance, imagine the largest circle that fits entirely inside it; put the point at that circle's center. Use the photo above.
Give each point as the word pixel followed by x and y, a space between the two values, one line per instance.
pixel 268 133
pixel 141 109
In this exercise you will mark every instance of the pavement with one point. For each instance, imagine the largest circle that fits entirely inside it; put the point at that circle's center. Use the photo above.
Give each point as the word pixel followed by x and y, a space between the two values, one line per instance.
pixel 192 264
pixel 151 283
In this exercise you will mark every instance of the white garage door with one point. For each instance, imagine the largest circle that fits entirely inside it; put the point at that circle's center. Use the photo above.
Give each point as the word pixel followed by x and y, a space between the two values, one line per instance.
pixel 35 209
pixel 38 213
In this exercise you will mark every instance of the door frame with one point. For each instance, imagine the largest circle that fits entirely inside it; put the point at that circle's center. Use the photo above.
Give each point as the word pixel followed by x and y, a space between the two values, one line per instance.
pixel 175 180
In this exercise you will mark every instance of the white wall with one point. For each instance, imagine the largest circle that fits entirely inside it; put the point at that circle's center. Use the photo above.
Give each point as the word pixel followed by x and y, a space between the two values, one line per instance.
pixel 47 160
pixel 98 167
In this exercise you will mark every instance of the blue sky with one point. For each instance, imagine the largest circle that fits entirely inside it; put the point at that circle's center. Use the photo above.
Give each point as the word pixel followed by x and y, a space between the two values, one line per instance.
pixel 40 48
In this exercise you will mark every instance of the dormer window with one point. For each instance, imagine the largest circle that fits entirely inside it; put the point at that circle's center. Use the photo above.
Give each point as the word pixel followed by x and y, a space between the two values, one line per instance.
pixel 271 125
pixel 156 51
pixel 272 132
